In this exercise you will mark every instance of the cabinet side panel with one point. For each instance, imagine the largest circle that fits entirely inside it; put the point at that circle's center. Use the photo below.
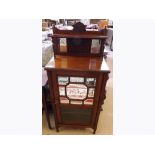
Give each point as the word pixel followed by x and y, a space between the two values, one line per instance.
pixel 101 97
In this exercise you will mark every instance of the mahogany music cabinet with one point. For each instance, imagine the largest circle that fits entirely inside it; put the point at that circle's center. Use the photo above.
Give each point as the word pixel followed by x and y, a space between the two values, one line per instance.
pixel 77 84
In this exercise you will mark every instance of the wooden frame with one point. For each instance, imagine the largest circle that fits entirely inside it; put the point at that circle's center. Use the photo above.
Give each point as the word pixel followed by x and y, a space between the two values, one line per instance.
pixel 101 78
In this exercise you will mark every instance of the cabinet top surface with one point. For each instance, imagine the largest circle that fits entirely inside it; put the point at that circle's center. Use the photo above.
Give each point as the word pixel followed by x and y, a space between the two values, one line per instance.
pixel 78 63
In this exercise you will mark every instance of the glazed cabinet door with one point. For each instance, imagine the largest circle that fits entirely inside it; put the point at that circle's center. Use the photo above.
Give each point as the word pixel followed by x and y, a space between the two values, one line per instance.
pixel 76 96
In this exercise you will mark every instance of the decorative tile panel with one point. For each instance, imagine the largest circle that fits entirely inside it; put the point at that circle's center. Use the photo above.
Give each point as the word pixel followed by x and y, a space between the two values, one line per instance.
pixel 76 91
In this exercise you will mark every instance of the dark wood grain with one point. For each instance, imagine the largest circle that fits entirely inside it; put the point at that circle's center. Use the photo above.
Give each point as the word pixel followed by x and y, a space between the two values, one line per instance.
pixel 77 61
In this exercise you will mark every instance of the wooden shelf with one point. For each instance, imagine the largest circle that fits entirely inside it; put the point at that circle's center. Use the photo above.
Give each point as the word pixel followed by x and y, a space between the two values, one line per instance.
pixel 80 36
pixel 78 63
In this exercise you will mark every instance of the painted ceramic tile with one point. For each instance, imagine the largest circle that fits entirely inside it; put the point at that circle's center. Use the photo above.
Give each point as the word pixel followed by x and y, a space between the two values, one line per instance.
pixel 91 81
pixel 64 100
pixel 76 91
pixel 91 92
pixel 62 91
pixel 89 101
pixel 62 80
pixel 76 79
pixel 76 102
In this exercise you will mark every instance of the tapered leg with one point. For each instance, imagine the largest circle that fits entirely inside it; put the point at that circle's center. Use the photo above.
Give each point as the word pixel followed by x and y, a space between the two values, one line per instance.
pixel 94 131
pixel 57 129
pixel 45 108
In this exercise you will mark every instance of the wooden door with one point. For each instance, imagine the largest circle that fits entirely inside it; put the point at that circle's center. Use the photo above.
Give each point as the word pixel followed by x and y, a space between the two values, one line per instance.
pixel 76 95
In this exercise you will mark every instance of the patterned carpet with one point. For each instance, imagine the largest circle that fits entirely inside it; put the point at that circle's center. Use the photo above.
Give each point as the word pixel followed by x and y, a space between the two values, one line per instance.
pixel 105 124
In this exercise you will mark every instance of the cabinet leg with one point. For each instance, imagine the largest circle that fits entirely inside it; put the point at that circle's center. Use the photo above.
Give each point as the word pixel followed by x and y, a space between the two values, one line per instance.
pixel 45 108
pixel 57 129
pixel 94 131
pixel 49 125
pixel 48 119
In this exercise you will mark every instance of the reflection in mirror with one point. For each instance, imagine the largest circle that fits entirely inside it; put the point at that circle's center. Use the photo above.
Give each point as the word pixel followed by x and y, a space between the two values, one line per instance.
pixel 95 46
pixel 91 92
pixel 76 79
pixel 76 91
pixel 62 80
pixel 61 91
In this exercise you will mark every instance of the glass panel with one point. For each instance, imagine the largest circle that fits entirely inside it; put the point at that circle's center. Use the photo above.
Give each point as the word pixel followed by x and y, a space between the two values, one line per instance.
pixel 62 80
pixel 91 81
pixel 62 91
pixel 64 100
pixel 76 102
pixel 89 101
pixel 75 115
pixel 91 92
pixel 76 91
pixel 76 79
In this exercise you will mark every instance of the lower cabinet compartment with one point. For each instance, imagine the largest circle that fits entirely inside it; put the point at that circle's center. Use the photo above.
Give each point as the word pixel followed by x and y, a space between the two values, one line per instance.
pixel 72 115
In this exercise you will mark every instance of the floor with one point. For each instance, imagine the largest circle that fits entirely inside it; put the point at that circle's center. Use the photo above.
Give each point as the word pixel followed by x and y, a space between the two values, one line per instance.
pixel 105 124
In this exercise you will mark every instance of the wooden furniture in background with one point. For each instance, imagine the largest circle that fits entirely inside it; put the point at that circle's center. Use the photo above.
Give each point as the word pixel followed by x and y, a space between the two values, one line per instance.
pixel 97 21
pixel 44 25
pixel 51 22
pixel 71 22
pixel 103 24
pixel 44 97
